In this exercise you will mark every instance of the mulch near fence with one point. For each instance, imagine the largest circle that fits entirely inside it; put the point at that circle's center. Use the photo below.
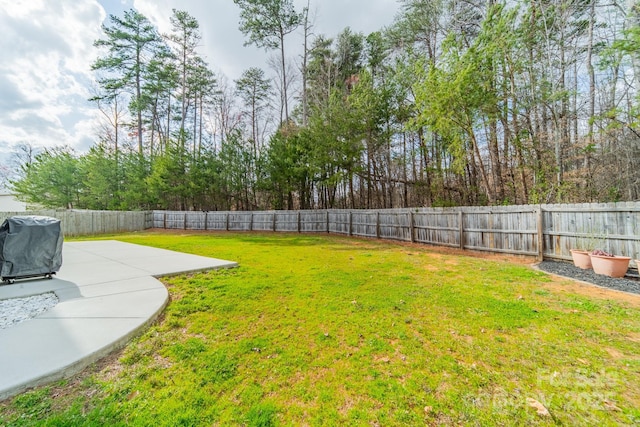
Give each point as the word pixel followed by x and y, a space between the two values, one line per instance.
pixel 565 269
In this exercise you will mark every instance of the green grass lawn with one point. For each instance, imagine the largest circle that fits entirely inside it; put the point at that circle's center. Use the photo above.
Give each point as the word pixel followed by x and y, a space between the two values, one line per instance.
pixel 323 330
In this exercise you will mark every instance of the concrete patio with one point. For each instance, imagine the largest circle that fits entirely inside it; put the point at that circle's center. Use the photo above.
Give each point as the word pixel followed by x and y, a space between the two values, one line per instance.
pixel 108 293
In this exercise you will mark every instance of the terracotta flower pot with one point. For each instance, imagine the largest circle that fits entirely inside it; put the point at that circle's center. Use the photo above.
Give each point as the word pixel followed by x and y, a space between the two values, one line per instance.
pixel 581 259
pixel 612 266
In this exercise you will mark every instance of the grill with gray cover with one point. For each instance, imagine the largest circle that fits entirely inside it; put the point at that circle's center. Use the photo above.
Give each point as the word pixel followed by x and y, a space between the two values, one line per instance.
pixel 30 246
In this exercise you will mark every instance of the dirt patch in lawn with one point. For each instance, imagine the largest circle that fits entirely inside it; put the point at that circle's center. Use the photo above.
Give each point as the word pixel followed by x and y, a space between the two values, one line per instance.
pixel 565 285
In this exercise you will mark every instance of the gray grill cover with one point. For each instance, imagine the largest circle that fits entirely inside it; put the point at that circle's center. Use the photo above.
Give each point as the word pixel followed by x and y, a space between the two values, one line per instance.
pixel 30 245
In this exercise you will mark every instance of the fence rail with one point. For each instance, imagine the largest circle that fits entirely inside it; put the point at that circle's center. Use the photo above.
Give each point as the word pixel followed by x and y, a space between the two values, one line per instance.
pixel 543 231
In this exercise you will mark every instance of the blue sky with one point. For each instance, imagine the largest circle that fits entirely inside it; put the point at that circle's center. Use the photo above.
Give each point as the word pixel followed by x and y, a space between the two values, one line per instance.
pixel 47 51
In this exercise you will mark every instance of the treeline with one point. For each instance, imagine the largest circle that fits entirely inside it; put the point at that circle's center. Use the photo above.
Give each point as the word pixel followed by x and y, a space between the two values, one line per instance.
pixel 457 103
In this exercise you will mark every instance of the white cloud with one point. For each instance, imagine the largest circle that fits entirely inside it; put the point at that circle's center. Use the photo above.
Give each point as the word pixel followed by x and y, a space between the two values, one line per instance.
pixel 45 73
pixel 158 12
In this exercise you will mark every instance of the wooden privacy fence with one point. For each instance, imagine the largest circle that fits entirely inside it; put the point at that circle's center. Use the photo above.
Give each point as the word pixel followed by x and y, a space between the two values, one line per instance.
pixel 543 231
pixel 78 223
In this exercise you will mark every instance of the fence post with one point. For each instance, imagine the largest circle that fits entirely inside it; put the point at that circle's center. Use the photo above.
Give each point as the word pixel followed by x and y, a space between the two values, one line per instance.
pixel 412 227
pixel 327 221
pixel 350 223
pixel 227 222
pixel 206 220
pixel 540 220
pixel 299 223
pixel 492 237
pixel 274 221
pixel 165 220
pixel 251 222
pixel 461 229
pixel 377 224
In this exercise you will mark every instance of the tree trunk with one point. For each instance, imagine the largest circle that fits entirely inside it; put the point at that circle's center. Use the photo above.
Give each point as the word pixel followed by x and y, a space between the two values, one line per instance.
pixel 494 155
pixel 138 109
pixel 483 173
pixel 592 100
pixel 305 57
pixel 284 76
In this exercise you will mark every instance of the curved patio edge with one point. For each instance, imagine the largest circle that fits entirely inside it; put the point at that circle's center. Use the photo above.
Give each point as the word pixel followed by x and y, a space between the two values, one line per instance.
pixel 108 294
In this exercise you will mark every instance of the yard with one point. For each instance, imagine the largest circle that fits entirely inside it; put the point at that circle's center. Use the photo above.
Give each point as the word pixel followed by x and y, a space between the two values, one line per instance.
pixel 326 330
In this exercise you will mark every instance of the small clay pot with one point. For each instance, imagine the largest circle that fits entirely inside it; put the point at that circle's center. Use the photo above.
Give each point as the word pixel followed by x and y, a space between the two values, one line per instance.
pixel 581 259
